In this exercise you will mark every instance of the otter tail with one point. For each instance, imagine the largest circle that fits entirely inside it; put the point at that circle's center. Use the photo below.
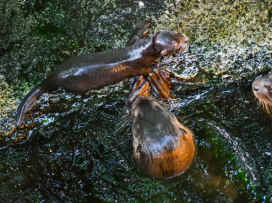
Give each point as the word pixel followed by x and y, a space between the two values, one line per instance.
pixel 31 97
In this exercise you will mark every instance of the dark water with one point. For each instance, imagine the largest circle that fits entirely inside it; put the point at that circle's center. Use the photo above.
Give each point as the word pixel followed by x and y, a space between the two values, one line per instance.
pixel 69 151
pixel 77 158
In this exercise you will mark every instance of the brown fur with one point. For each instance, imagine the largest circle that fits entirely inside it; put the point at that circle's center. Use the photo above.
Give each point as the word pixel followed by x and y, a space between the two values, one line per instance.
pixel 262 89
pixel 168 149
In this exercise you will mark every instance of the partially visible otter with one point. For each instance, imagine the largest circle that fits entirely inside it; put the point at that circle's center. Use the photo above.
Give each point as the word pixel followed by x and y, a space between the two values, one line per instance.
pixel 162 146
pixel 262 89
pixel 82 73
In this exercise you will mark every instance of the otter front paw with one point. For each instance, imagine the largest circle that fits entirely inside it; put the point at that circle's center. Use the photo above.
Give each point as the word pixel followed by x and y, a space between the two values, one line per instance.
pixel 140 28
pixel 160 82
pixel 139 87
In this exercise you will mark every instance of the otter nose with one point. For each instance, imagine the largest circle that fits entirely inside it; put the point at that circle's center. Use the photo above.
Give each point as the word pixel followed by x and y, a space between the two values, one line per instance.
pixel 255 86
pixel 186 39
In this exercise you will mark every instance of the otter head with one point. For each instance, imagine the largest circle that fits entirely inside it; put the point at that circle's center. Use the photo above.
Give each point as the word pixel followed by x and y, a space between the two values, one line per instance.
pixel 167 42
pixel 162 147
pixel 262 89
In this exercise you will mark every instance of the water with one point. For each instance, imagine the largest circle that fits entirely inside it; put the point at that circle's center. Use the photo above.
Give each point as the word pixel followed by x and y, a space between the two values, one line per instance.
pixel 69 151
pixel 75 157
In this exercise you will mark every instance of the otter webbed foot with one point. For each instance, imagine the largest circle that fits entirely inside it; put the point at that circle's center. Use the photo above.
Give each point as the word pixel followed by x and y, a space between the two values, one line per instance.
pixel 140 29
pixel 160 82
pixel 139 86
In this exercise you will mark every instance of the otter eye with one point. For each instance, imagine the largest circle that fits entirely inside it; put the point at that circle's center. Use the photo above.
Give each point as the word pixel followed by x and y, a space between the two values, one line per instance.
pixel 256 89
pixel 183 131
pixel 138 148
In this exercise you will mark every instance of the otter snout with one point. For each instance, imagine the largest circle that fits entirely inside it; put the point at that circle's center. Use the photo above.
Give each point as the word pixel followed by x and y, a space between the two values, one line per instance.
pixel 262 85
pixel 262 89
pixel 185 38
pixel 160 148
pixel 256 87
pixel 183 42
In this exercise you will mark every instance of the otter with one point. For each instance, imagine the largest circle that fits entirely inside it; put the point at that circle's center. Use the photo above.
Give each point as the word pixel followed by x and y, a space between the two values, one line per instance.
pixel 95 70
pixel 262 89
pixel 162 146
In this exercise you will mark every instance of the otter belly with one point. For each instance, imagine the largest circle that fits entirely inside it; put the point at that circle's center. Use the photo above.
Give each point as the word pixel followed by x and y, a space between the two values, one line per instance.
pixel 81 79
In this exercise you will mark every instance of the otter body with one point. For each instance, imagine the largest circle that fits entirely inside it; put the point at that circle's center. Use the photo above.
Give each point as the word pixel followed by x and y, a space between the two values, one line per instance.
pixel 162 146
pixel 262 89
pixel 95 70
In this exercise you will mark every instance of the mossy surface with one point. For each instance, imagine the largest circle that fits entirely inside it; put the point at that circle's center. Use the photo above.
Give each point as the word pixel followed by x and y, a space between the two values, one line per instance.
pixel 230 39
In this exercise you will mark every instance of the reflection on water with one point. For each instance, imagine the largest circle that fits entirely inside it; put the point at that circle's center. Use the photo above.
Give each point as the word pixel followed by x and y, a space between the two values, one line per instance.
pixel 75 157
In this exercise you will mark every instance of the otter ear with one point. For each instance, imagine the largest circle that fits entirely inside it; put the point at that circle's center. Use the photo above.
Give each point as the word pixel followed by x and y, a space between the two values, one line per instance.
pixel 163 52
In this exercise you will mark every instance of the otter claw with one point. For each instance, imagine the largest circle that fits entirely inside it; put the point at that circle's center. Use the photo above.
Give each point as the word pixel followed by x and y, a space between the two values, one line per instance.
pixel 183 131
pixel 139 87
pixel 140 28
pixel 160 82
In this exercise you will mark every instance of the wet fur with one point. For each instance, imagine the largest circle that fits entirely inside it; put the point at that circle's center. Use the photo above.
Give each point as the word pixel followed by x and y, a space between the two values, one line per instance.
pixel 96 70
pixel 262 89
pixel 166 151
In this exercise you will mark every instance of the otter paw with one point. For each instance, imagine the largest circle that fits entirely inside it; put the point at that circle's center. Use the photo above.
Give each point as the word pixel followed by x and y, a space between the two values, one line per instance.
pixel 140 28
pixel 160 82
pixel 139 87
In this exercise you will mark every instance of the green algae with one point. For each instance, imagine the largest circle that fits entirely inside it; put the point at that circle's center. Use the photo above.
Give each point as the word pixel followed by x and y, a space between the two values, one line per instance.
pixel 227 38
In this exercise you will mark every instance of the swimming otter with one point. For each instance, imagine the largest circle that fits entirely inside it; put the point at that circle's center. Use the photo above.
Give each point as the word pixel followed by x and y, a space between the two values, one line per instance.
pixel 162 146
pixel 262 89
pixel 85 72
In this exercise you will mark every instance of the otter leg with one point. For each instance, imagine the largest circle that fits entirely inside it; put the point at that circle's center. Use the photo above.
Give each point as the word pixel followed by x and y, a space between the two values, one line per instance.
pixel 140 29
pixel 160 82
pixel 139 86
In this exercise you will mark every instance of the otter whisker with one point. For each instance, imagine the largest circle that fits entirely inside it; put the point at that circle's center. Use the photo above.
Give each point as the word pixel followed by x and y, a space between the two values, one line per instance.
pixel 267 107
pixel 167 102
pixel 166 105
pixel 125 116
pixel 126 131
pixel 172 105
pixel 266 104
pixel 158 99
pixel 124 119
pixel 123 125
